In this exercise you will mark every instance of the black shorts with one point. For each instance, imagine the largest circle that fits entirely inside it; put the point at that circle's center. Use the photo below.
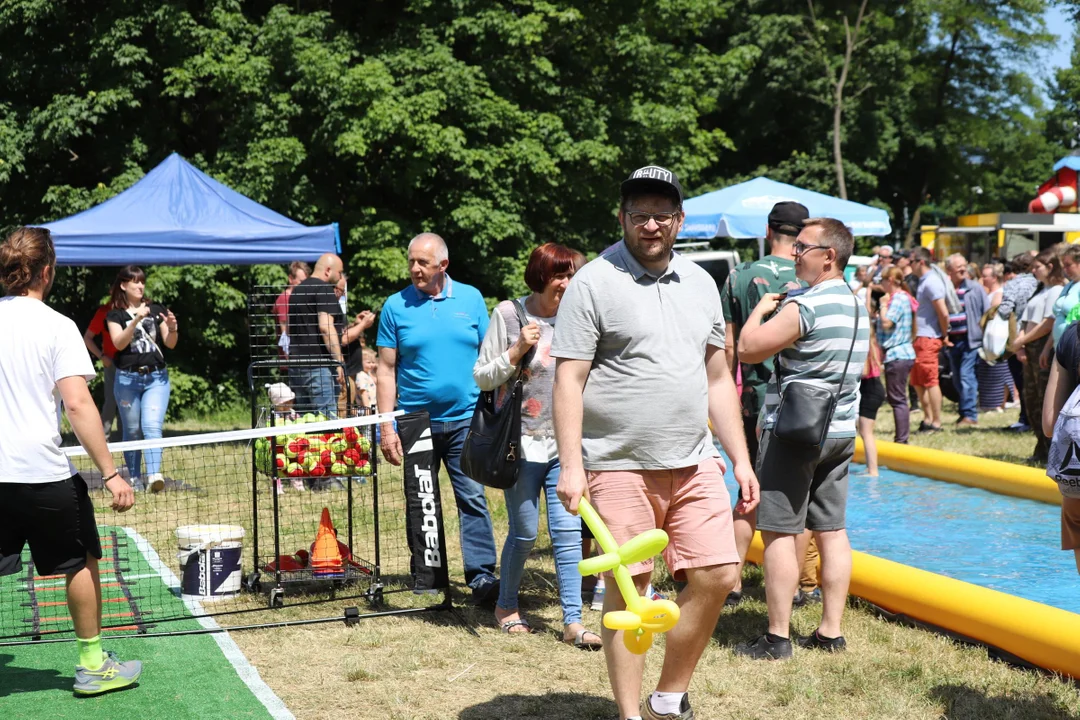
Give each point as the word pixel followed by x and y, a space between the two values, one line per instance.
pixel 56 519
pixel 872 395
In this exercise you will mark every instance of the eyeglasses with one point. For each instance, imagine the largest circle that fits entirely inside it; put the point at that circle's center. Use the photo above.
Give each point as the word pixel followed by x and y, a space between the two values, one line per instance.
pixel 801 247
pixel 642 218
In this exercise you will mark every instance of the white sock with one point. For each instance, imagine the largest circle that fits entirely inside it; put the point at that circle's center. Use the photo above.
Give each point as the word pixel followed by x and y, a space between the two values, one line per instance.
pixel 634 717
pixel 666 703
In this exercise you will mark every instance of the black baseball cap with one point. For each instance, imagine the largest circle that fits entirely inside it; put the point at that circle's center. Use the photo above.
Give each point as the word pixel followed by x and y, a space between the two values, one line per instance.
pixel 787 217
pixel 652 179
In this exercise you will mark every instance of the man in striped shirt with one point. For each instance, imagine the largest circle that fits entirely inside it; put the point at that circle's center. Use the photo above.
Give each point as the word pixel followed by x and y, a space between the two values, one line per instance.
pixel 965 336
pixel 821 337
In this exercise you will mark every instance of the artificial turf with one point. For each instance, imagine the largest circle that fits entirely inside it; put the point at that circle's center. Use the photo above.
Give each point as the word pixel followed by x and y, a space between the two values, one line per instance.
pixel 183 676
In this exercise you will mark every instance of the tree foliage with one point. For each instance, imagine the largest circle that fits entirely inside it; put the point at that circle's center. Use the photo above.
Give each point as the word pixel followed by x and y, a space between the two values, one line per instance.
pixel 501 125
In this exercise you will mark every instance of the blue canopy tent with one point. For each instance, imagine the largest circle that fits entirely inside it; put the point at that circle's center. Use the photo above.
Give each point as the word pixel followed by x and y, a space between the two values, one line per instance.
pixel 178 215
pixel 742 211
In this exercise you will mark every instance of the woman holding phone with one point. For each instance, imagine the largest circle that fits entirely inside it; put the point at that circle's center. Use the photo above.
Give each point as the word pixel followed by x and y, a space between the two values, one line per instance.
pixel 139 329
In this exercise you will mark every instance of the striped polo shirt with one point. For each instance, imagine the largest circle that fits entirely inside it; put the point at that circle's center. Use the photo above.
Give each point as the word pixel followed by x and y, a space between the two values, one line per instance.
pixel 958 320
pixel 826 322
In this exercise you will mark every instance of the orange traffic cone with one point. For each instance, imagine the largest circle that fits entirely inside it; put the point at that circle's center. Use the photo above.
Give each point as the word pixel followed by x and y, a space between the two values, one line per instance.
pixel 325 554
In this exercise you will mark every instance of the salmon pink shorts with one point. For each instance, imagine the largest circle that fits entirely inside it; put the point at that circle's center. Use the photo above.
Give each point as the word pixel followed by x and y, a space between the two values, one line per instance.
pixel 690 504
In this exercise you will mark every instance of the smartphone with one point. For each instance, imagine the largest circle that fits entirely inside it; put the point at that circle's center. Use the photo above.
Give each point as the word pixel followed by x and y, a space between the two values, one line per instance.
pixel 792 293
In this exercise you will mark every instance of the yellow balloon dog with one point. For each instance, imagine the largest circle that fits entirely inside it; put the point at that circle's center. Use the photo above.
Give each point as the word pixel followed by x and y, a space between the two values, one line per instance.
pixel 642 616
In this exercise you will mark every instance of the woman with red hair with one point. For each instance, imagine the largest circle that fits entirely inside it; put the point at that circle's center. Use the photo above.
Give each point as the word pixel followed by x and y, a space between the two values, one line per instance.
pixel 507 345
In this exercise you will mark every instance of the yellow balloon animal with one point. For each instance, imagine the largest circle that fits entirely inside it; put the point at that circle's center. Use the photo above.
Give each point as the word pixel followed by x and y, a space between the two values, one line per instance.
pixel 642 616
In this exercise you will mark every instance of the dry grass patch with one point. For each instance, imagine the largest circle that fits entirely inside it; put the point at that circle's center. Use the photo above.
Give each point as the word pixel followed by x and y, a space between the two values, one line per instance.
pixel 430 667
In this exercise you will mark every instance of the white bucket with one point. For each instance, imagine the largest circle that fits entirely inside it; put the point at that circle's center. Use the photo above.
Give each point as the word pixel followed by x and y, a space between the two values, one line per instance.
pixel 210 560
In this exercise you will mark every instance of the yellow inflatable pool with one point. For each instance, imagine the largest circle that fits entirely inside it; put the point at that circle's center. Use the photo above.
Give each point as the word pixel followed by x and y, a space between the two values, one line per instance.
pixel 993 475
pixel 1040 634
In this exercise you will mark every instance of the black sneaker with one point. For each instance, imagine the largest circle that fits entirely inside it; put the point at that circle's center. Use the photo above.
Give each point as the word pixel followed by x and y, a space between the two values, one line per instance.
pixel 487 594
pixel 764 649
pixel 814 641
pixel 734 598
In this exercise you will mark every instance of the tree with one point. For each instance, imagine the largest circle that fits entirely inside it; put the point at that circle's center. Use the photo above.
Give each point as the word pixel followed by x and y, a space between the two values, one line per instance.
pixel 837 77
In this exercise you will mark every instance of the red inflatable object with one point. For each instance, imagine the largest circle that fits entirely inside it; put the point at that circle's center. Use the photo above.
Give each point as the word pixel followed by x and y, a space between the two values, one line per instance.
pixel 1056 194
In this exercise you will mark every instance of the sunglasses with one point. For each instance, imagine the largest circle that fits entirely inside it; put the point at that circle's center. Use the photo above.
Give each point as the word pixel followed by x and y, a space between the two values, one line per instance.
pixel 801 247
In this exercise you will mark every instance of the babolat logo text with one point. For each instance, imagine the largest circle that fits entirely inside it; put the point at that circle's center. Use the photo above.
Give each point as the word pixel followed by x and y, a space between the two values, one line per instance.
pixel 430 524
pixel 653 173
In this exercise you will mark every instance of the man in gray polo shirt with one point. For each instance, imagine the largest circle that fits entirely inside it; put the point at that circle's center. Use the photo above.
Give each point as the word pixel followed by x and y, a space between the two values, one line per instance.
pixel 640 370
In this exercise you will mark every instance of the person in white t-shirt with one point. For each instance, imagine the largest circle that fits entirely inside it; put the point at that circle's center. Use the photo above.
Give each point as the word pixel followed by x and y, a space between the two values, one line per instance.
pixel 1038 326
pixel 44 503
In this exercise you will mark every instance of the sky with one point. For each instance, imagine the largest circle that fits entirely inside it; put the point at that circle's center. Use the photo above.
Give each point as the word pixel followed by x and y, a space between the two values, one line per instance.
pixel 1059 24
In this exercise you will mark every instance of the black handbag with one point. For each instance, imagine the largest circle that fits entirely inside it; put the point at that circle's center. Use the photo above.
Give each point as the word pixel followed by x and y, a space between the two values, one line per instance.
pixel 492 452
pixel 806 410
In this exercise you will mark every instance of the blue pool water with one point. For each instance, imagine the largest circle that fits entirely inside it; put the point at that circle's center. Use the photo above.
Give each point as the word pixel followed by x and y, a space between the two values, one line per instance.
pixel 999 542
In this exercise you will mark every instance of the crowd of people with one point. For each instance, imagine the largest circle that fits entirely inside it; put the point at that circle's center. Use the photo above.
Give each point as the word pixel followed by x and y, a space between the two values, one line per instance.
pixel 782 367
pixel 929 316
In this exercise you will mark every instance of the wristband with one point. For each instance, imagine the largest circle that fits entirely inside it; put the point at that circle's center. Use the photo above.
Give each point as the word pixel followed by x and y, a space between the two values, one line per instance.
pixel 107 479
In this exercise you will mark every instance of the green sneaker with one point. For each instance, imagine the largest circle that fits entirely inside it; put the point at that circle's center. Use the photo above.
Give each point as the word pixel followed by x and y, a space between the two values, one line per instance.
pixel 112 675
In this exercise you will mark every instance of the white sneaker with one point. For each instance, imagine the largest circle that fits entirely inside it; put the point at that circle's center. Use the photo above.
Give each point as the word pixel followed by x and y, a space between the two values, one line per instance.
pixel 598 595
pixel 156 482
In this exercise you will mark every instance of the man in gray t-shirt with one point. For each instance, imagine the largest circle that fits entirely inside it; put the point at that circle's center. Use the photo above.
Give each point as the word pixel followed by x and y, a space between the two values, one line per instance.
pixel 640 371
pixel 932 319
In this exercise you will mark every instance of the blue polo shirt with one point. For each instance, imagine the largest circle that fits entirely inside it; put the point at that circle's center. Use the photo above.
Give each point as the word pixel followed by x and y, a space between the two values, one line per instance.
pixel 437 341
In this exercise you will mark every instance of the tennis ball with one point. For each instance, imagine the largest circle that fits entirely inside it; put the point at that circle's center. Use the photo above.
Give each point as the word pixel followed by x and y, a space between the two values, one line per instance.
pixel 338 444
pixel 311 461
pixel 363 467
pixel 351 456
pixel 297 444
pixel 316 444
pixel 364 443
pixel 326 458
pixel 339 469
pixel 294 469
pixel 317 471
pixel 309 418
pixel 351 435
pixel 280 461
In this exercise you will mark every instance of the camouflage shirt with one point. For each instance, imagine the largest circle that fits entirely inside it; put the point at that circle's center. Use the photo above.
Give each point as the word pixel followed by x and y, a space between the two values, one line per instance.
pixel 742 291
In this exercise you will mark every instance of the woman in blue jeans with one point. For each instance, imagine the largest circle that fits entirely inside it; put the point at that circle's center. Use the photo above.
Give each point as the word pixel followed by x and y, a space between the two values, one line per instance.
pixel 505 346
pixel 139 328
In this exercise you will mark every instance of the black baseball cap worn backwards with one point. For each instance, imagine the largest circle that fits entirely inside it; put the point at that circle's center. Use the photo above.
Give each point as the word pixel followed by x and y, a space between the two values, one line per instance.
pixel 652 179
pixel 787 217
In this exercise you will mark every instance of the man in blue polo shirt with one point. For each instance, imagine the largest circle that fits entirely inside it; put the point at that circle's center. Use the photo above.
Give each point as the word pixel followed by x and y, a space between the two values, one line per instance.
pixel 429 339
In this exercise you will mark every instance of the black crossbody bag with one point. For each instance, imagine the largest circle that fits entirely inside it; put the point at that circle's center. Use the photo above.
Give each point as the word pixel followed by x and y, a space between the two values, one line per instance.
pixel 806 410
pixel 492 452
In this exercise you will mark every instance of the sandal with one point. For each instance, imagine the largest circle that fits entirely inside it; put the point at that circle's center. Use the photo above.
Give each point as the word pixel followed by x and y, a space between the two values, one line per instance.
pixel 507 627
pixel 580 643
